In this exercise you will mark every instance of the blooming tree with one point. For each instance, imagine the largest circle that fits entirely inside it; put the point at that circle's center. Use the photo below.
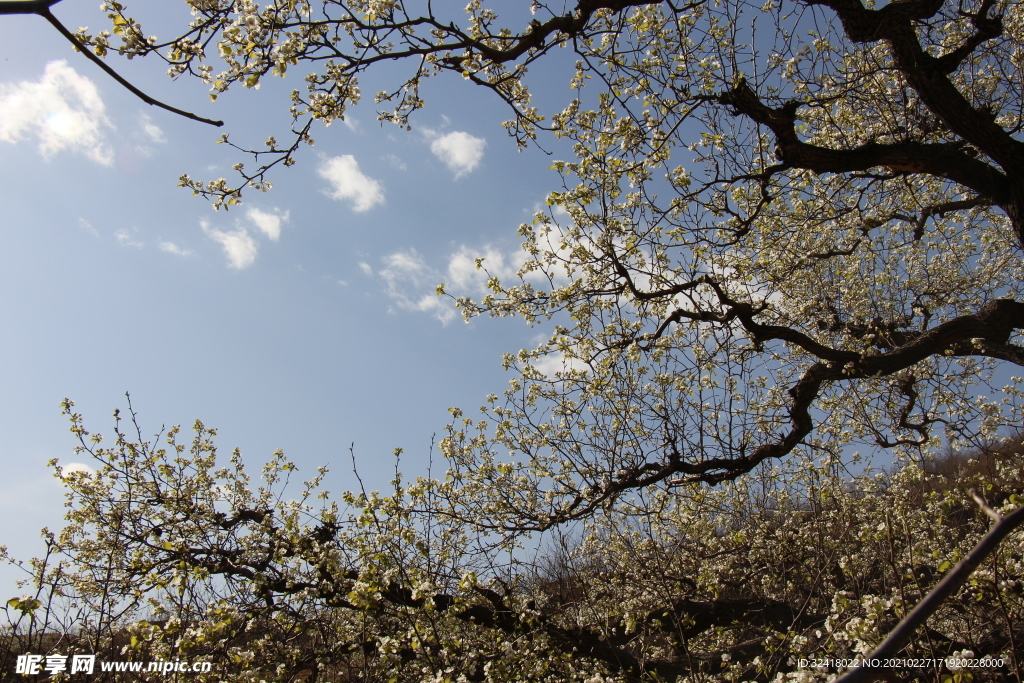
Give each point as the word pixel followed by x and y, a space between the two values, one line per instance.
pixel 785 232
pixel 777 575
pixel 794 226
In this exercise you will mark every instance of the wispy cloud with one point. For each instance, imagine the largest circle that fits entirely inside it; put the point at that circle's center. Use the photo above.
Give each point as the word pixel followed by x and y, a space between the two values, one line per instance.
pixel 238 245
pixel 349 184
pixel 126 238
pixel 461 152
pixel 395 161
pixel 88 227
pixel 172 248
pixel 411 284
pixel 269 223
pixel 152 131
pixel 147 134
pixel 63 110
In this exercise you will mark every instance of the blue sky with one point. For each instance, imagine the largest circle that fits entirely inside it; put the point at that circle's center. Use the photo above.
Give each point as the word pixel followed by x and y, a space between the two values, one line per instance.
pixel 304 319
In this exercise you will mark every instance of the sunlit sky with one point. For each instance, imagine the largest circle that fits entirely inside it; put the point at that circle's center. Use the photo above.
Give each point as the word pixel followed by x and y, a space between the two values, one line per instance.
pixel 304 320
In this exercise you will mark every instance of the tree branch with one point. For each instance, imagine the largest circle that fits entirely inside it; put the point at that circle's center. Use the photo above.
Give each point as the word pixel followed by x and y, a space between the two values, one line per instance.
pixel 946 160
pixel 987 29
pixel 42 8
pixel 928 75
pixel 537 34
pixel 986 332
pixel 26 6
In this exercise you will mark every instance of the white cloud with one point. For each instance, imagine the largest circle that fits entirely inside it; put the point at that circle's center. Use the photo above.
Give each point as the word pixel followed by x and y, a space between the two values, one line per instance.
pixel 76 468
pixel 63 110
pixel 172 248
pixel 126 238
pixel 464 276
pixel 461 152
pixel 239 247
pixel 350 184
pixel 556 362
pixel 239 244
pixel 268 223
pixel 412 283
pixel 408 262
pixel 407 271
pixel 152 131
